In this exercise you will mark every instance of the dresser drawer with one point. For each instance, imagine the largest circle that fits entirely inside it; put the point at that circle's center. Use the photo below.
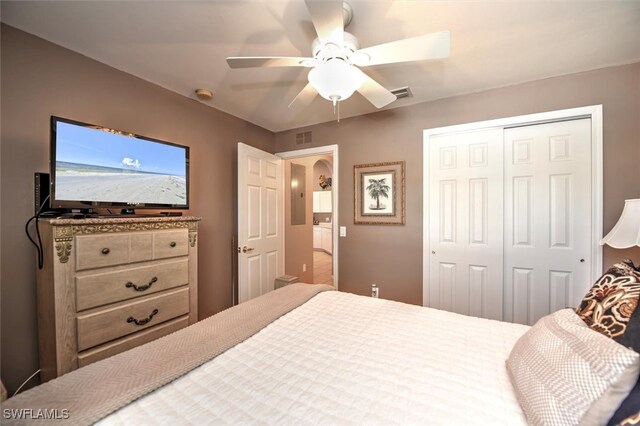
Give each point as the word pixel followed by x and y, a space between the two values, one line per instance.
pixel 99 250
pixel 97 289
pixel 94 251
pixel 131 341
pixel 170 243
pixel 103 325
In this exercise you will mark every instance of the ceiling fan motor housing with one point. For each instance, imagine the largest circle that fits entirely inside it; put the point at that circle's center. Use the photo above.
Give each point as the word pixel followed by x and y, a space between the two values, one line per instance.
pixel 329 50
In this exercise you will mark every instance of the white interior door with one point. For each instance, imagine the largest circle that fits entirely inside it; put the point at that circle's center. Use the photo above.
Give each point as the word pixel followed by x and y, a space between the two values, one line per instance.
pixel 260 239
pixel 547 218
pixel 465 210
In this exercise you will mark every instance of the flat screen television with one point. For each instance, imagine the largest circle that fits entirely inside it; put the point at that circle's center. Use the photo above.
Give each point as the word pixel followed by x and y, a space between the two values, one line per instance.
pixel 96 167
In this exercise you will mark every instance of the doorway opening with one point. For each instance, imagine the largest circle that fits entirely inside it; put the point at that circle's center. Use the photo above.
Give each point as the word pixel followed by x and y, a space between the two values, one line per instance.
pixel 322 184
pixel 310 243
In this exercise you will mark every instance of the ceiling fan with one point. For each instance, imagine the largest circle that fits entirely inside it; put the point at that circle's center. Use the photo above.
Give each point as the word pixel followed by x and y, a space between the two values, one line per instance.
pixel 335 72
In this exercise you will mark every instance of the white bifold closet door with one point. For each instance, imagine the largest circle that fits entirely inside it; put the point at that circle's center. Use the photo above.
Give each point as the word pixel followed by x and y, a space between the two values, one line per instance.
pixel 547 217
pixel 466 223
pixel 510 219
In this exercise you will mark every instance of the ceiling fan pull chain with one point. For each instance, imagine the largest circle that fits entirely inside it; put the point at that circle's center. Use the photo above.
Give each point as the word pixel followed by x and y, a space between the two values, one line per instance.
pixel 336 103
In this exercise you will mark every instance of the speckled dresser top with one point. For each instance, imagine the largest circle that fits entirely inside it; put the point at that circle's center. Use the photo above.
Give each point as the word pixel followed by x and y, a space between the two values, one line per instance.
pixel 123 220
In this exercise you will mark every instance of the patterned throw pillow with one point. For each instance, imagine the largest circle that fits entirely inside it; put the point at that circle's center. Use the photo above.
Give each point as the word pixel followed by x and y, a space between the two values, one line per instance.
pixel 611 308
pixel 631 421
pixel 611 302
pixel 628 414
pixel 631 336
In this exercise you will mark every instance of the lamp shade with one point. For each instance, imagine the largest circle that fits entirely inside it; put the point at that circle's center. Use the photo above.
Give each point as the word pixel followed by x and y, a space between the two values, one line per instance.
pixel 335 80
pixel 626 233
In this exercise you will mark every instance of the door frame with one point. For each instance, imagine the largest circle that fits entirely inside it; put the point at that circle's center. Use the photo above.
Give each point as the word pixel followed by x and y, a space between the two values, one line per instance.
pixel 310 152
pixel 594 112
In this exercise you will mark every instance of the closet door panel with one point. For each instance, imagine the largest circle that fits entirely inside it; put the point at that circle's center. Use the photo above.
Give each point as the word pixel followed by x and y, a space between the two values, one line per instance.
pixel 547 217
pixel 466 223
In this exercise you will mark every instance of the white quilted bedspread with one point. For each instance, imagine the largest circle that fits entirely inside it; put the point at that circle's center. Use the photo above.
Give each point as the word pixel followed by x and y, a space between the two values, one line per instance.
pixel 346 359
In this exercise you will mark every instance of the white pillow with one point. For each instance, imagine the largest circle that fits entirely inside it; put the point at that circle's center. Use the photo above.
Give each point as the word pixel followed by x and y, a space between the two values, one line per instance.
pixel 564 373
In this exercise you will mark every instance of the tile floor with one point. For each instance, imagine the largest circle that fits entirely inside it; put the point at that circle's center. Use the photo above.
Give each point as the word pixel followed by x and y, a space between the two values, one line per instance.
pixel 322 268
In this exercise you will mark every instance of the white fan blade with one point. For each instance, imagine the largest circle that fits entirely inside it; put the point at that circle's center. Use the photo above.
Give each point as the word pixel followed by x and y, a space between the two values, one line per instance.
pixel 375 92
pixel 327 17
pixel 428 46
pixel 269 61
pixel 305 97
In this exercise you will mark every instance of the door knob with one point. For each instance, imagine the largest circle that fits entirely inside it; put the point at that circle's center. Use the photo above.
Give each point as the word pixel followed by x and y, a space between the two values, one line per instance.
pixel 246 249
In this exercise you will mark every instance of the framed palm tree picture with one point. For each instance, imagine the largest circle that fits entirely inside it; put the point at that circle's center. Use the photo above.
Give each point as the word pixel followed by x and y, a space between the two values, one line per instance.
pixel 379 193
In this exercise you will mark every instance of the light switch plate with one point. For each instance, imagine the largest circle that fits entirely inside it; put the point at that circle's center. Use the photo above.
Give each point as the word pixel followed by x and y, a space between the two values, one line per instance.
pixel 343 231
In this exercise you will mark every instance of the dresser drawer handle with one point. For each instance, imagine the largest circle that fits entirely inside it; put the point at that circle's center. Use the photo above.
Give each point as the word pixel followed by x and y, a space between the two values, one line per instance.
pixel 105 250
pixel 142 287
pixel 143 321
pixel 172 243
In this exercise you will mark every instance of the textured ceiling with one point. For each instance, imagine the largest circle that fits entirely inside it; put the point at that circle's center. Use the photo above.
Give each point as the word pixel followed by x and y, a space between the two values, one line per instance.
pixel 182 45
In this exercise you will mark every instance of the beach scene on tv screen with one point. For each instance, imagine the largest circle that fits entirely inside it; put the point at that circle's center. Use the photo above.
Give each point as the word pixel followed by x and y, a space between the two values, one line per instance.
pixel 96 165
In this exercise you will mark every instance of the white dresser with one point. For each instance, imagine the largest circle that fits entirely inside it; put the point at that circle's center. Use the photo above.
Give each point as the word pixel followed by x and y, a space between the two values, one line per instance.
pixel 112 284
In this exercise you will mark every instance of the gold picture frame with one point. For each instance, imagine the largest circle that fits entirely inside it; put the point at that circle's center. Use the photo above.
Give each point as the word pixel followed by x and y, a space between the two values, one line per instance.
pixel 379 190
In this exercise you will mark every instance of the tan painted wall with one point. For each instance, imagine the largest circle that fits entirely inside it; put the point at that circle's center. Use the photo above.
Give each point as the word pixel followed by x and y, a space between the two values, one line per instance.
pixel 40 79
pixel 391 256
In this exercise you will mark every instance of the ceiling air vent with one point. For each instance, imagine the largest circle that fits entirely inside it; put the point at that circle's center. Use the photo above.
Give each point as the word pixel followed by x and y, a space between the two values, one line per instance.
pixel 304 137
pixel 402 92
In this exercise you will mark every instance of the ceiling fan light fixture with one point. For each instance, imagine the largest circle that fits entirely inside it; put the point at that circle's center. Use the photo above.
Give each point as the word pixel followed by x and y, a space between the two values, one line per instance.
pixel 335 80
pixel 335 66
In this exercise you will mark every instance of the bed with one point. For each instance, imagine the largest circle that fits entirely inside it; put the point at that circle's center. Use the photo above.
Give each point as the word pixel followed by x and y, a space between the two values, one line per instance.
pixel 303 354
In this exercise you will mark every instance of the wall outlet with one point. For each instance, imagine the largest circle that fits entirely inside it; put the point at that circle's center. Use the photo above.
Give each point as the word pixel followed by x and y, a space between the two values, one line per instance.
pixel 375 291
pixel 304 267
pixel 343 231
